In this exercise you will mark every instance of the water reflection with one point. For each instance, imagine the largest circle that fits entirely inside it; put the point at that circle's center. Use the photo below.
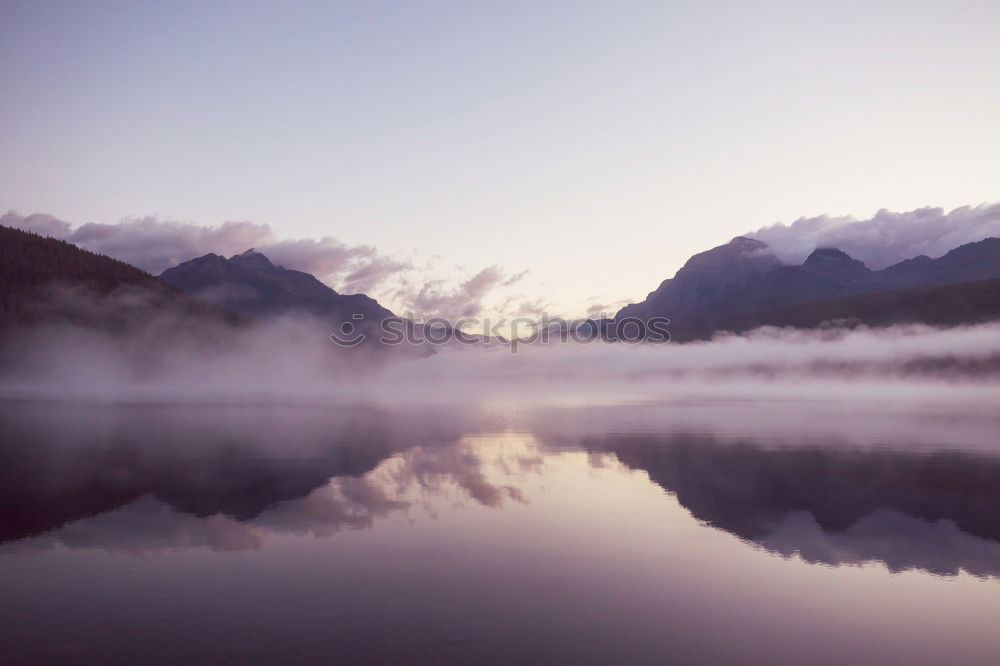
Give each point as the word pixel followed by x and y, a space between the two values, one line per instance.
pixel 939 512
pixel 64 463
pixel 141 478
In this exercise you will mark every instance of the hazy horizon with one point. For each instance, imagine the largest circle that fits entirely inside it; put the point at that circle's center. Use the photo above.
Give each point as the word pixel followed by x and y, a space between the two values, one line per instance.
pixel 464 141
pixel 428 290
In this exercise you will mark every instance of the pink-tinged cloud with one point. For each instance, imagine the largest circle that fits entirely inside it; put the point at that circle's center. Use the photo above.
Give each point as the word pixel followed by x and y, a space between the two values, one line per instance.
pixel 155 245
pixel 887 237
pixel 434 298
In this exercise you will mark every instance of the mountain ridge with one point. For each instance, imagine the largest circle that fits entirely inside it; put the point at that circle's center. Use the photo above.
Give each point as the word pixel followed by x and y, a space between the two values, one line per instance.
pixel 757 286
pixel 250 285
pixel 46 280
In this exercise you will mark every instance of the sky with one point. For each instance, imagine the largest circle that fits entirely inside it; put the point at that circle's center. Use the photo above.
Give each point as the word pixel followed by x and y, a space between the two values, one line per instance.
pixel 595 145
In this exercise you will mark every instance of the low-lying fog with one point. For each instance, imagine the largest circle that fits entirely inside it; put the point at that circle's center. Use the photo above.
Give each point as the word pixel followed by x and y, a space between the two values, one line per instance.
pixel 176 358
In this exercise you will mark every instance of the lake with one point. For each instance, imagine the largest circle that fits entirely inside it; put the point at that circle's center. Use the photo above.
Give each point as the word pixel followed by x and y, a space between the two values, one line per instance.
pixel 687 530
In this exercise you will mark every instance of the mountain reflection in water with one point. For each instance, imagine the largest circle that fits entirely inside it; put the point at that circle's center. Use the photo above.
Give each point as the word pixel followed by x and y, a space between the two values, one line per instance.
pixel 580 485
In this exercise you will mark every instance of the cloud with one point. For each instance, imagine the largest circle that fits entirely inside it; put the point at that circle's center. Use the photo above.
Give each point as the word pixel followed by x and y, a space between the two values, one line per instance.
pixel 155 245
pixel 434 298
pixel 326 258
pixel 600 310
pixel 522 306
pixel 887 237
pixel 149 243
pixel 374 273
pixel 40 223
pixel 514 279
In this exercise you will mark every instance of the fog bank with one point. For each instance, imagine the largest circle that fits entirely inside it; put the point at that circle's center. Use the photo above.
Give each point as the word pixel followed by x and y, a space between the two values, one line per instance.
pixel 174 358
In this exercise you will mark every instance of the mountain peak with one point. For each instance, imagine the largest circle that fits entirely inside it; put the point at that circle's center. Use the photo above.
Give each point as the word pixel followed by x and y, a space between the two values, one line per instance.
pixel 250 285
pixel 705 277
pixel 252 259
pixel 837 266
pixel 828 254
pixel 743 279
pixel 739 254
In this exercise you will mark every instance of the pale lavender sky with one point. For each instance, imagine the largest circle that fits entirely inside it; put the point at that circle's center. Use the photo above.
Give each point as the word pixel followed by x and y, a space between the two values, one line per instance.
pixel 598 144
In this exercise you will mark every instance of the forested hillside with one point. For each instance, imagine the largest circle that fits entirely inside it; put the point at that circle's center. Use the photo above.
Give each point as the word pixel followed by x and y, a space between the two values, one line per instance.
pixel 44 279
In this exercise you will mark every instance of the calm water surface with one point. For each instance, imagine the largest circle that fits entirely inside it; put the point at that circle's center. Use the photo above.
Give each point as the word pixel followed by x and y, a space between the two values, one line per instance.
pixel 702 532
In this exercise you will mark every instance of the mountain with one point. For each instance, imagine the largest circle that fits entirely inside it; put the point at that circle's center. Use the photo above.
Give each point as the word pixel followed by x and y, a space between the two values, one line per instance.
pixel 250 285
pixel 44 280
pixel 733 286
pixel 970 262
pixel 706 278
pixel 29 261
pixel 944 305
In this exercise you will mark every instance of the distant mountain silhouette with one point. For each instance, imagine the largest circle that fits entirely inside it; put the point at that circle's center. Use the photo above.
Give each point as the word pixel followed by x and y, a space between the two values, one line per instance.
pixel 44 280
pixel 705 279
pixel 250 285
pixel 741 285
pixel 947 305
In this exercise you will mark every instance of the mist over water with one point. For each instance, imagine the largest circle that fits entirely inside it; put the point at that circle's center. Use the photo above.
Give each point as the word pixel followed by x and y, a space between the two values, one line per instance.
pixel 450 532
pixel 235 491
pixel 153 352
